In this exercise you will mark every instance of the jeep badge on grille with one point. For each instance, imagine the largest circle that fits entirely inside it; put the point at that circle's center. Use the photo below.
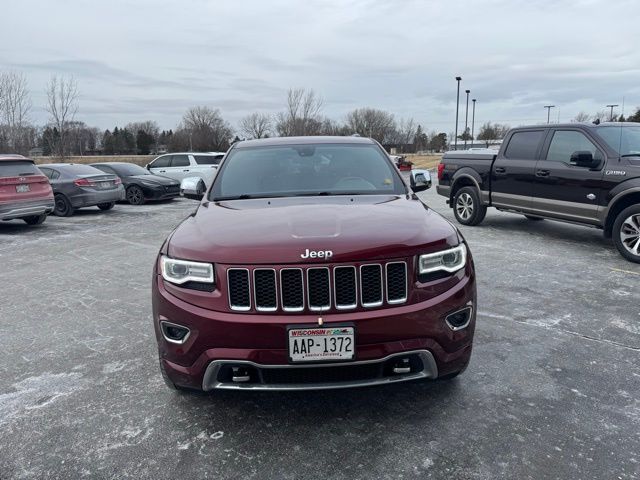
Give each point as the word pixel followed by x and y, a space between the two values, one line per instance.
pixel 316 254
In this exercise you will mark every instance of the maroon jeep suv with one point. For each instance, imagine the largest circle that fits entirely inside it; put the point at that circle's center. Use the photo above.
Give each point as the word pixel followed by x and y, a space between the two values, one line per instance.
pixel 310 264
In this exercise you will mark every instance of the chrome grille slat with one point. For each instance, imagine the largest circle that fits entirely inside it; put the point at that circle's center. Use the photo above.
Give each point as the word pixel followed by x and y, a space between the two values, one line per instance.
pixel 317 288
pixel 345 289
pixel 292 289
pixel 264 289
pixel 371 285
pixel 238 289
pixel 396 282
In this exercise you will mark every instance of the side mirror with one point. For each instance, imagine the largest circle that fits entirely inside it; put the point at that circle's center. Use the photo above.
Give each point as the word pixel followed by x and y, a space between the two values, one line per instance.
pixel 192 188
pixel 584 158
pixel 148 166
pixel 420 180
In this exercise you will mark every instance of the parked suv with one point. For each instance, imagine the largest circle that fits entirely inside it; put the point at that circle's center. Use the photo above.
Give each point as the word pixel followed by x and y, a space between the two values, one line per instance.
pixel 183 165
pixel 579 173
pixel 310 264
pixel 25 193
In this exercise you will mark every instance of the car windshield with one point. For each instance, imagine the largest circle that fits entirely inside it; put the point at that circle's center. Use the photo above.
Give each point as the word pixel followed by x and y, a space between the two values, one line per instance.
pixel 299 170
pixel 129 169
pixel 624 140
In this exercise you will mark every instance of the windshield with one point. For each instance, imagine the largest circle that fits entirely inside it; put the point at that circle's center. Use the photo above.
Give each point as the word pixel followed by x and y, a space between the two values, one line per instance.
pixel 128 169
pixel 297 170
pixel 624 140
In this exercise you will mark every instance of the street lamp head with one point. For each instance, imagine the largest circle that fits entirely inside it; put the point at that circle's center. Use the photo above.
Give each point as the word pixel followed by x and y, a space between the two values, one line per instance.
pixel 467 91
pixel 458 78
pixel 473 99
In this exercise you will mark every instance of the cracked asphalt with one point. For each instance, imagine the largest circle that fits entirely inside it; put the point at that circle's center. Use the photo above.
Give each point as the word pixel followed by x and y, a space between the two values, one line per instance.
pixel 553 389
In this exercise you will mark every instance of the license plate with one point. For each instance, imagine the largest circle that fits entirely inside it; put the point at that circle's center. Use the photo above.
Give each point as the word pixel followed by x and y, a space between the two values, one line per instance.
pixel 321 344
pixel 105 184
pixel 22 188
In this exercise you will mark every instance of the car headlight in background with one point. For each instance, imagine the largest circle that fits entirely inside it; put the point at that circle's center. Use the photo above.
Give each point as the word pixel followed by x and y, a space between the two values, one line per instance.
pixel 183 271
pixel 450 260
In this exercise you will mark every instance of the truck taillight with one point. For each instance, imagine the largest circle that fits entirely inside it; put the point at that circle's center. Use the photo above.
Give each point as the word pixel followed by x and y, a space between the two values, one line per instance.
pixel 440 170
pixel 83 182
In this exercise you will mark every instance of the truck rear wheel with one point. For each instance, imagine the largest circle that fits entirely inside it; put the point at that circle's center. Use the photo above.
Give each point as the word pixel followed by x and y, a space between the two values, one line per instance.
pixel 626 233
pixel 467 207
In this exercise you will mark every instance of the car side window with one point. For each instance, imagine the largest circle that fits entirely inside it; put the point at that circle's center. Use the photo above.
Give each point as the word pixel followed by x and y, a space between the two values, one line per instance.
pixel 524 145
pixel 180 161
pixel 566 142
pixel 46 172
pixel 54 175
pixel 161 162
pixel 208 159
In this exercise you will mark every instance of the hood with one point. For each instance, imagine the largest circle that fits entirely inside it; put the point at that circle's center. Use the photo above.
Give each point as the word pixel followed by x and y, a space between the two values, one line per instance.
pixel 157 179
pixel 281 230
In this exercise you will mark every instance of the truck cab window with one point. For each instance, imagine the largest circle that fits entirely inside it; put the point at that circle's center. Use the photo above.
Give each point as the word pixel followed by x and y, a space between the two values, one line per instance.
pixel 524 145
pixel 566 142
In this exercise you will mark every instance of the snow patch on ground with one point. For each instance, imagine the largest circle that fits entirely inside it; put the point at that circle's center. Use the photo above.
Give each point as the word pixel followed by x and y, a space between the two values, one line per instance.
pixel 35 393
pixel 629 327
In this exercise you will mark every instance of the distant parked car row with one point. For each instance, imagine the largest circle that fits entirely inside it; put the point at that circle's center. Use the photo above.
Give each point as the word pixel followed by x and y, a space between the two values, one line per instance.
pixel 31 192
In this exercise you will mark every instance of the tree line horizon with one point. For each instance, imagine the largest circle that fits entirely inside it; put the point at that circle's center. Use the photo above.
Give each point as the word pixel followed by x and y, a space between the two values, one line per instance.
pixel 203 128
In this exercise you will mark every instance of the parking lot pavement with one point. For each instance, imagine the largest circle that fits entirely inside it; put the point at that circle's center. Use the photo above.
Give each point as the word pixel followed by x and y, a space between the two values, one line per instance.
pixel 553 389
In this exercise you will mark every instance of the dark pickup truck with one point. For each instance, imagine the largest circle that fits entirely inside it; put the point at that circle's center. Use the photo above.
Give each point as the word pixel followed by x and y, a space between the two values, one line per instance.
pixel 581 173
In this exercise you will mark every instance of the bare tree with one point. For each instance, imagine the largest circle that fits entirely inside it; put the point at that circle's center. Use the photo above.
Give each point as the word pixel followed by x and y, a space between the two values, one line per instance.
pixel 373 123
pixel 256 125
pixel 582 117
pixel 206 129
pixel 302 115
pixel 62 105
pixel 404 133
pixel 15 105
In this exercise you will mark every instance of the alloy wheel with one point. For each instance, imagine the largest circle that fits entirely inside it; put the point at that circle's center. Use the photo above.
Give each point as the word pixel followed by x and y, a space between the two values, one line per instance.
pixel 630 234
pixel 464 206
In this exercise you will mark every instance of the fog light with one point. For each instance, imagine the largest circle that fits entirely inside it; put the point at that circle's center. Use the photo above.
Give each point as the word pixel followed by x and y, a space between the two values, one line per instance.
pixel 460 319
pixel 174 333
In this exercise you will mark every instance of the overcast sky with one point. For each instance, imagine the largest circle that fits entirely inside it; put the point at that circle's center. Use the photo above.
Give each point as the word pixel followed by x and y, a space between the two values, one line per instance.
pixel 153 59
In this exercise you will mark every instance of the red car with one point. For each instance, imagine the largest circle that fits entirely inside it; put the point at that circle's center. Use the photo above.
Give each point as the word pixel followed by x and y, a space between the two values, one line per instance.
pixel 310 264
pixel 25 193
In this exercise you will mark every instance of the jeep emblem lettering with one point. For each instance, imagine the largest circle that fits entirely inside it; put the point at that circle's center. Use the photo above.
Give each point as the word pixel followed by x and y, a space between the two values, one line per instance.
pixel 316 254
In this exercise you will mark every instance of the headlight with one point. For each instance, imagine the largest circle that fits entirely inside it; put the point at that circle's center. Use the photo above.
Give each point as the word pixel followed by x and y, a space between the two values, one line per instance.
pixel 450 260
pixel 183 271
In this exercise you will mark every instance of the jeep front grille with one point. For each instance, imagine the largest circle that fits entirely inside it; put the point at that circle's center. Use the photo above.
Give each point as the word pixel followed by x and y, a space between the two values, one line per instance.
pixel 317 288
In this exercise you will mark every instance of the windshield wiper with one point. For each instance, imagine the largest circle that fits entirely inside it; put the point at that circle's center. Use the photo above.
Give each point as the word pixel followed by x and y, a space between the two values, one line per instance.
pixel 326 194
pixel 244 196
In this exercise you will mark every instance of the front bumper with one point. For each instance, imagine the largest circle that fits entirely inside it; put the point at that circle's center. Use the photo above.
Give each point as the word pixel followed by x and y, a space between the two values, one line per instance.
pixel 11 211
pixel 223 340
pixel 161 192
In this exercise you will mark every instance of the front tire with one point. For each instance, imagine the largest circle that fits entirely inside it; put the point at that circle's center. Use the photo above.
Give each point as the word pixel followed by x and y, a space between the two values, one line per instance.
pixel 106 206
pixel 135 195
pixel 35 219
pixel 467 207
pixel 63 207
pixel 626 233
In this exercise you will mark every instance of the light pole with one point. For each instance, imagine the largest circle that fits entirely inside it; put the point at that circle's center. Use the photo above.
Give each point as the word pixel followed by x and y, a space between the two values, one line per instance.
pixel 473 121
pixel 455 137
pixel 611 115
pixel 466 119
pixel 549 107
